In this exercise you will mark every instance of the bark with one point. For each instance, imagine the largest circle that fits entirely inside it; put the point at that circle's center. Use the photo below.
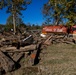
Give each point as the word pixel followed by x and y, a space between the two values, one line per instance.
pixel 22 49
pixel 7 63
pixel 14 24
pixel 14 19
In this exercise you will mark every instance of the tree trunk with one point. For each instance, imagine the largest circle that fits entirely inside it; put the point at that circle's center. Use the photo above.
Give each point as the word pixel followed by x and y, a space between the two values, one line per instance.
pixel 14 19
pixel 14 24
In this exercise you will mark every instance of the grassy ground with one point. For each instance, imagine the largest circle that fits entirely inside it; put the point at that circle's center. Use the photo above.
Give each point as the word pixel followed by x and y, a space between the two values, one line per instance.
pixel 57 59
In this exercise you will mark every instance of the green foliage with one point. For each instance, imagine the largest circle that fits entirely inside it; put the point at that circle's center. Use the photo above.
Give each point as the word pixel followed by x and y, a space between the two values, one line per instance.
pixel 9 20
pixel 18 21
pixel 71 12
pixel 2 26
pixel 32 27
pixel 8 27
pixel 54 10
pixel 14 7
pixel 59 10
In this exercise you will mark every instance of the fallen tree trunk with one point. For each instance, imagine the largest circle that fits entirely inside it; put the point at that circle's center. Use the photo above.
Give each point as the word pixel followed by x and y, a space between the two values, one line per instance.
pixel 34 57
pixel 7 63
pixel 17 56
pixel 48 40
pixel 22 49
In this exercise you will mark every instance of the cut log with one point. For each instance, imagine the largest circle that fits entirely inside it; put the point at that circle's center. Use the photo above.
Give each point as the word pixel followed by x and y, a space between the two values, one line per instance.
pixel 35 55
pixel 7 63
pixel 22 49
pixel 48 41
pixel 29 47
pixel 8 48
pixel 17 56
pixel 68 42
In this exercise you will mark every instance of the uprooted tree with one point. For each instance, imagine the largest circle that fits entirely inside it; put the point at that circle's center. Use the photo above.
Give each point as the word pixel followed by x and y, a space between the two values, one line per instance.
pixel 14 7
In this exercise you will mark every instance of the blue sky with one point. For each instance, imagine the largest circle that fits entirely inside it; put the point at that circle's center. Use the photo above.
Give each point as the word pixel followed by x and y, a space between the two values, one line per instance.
pixel 32 15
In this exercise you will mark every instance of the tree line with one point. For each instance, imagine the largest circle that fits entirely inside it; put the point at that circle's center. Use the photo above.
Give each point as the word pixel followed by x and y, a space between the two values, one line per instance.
pixel 55 11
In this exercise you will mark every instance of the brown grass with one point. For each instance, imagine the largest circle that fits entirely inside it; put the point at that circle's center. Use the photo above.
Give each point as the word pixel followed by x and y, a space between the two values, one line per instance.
pixel 59 59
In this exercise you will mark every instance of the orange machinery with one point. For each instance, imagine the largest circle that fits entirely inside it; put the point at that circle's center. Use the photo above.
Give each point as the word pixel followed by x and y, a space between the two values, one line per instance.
pixel 54 29
pixel 59 29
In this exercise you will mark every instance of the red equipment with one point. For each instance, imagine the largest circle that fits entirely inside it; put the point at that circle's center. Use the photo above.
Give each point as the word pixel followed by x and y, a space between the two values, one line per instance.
pixel 54 29
pixel 59 29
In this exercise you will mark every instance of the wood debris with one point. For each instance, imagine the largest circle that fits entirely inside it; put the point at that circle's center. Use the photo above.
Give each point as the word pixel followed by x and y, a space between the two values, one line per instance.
pixel 15 47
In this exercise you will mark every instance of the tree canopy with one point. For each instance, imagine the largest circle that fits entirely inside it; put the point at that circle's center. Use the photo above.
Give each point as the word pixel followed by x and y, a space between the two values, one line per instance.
pixel 14 7
pixel 60 10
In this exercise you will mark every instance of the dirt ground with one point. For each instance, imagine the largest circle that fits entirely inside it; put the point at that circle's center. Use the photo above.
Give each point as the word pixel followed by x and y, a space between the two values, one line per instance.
pixel 56 59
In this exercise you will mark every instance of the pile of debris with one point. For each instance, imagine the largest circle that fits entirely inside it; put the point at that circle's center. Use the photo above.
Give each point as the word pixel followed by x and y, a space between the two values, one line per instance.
pixel 14 47
pixel 55 39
